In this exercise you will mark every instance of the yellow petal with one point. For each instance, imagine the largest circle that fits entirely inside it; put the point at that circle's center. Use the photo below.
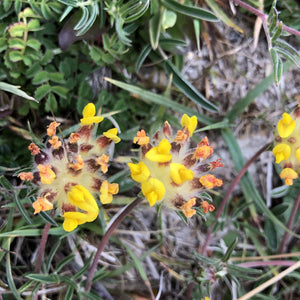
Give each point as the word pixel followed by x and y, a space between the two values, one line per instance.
pixel 187 208
pixel 179 173
pixel 286 125
pixel 288 175
pixel 161 153
pixel 89 117
pixel 139 172
pixel 189 122
pixel 154 190
pixel 281 152
pixel 46 174
pixel 112 135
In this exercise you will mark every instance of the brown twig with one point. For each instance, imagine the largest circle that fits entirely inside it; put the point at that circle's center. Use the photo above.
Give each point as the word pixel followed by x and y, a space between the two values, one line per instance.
pixel 105 239
pixel 290 223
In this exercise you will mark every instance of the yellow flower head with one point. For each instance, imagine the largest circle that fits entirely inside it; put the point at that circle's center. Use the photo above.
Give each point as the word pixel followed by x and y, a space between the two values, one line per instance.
pixel 89 117
pixel 281 152
pixel 107 191
pixel 112 135
pixel 189 122
pixel 46 174
pixel 288 175
pixel 161 153
pixel 179 173
pixel 139 172
pixel 187 208
pixel 154 190
pixel 286 125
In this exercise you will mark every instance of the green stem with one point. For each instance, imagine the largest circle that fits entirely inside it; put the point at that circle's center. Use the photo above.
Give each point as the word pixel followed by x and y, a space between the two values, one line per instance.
pixel 105 239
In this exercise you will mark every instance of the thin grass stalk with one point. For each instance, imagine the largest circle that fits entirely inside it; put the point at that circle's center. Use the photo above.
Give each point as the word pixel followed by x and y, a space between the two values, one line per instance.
pixel 105 239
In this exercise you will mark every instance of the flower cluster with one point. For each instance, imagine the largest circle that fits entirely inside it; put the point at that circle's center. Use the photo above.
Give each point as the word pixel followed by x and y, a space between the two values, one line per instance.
pixel 287 146
pixel 69 171
pixel 170 171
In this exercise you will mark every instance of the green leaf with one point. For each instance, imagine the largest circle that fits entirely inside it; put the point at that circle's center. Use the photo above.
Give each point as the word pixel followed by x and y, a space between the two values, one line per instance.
pixel 9 276
pixel 15 56
pixel 40 77
pixel 32 232
pixel 34 25
pixel 16 43
pixel 168 19
pixel 15 90
pixel 17 29
pixel 142 56
pixel 155 28
pixel 46 11
pixel 51 103
pixel 277 33
pixel 187 88
pixel 6 184
pixel 229 251
pixel 22 210
pixel 7 4
pixel 280 209
pixel 3 45
pixel 182 216
pixel 34 44
pixel 56 77
pixel 60 91
pixel 277 65
pixel 287 55
pixel 150 97
pixel 271 234
pixel 42 91
pixel 191 11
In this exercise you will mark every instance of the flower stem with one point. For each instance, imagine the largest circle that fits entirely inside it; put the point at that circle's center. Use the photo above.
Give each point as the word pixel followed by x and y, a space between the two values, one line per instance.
pixel 105 239
pixel 290 223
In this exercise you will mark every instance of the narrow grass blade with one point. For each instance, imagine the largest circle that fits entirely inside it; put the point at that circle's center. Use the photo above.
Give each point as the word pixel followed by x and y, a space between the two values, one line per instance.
pixel 32 232
pixel 150 97
pixel 10 279
pixel 15 89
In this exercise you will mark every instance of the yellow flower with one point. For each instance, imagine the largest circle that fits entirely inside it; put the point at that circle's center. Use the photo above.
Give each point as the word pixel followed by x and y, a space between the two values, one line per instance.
pixel 179 173
pixel 107 191
pixel 46 174
pixel 112 135
pixel 281 152
pixel 187 208
pixel 154 190
pixel 89 117
pixel 102 161
pixel 139 172
pixel 55 142
pixel 286 125
pixel 288 175
pixel 81 198
pixel 161 153
pixel 189 122
pixel 41 204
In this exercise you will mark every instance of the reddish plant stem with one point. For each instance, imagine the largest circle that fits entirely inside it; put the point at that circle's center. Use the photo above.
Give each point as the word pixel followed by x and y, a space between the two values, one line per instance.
pixel 105 239
pixel 254 264
pixel 290 223
pixel 263 16
pixel 221 208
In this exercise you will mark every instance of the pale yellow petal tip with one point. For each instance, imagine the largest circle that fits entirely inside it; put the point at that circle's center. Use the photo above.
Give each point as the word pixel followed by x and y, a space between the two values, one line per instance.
pixel 288 175
pixel 112 135
pixel 161 153
pixel 189 122
pixel 139 172
pixel 89 117
pixel 154 190
pixel 281 152
pixel 286 125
